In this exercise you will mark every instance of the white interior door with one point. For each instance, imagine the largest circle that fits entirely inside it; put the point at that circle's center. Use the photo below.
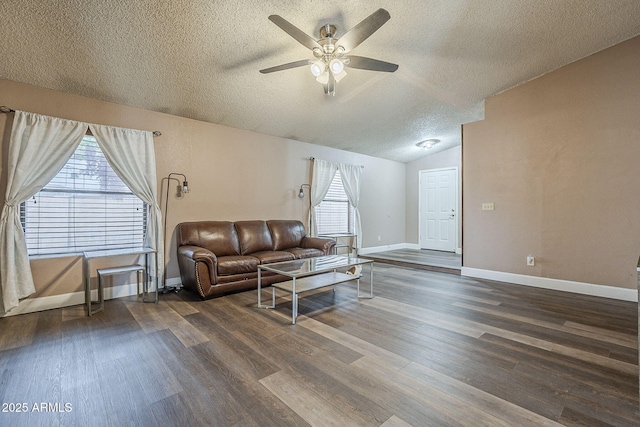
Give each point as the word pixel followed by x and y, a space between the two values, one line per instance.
pixel 438 205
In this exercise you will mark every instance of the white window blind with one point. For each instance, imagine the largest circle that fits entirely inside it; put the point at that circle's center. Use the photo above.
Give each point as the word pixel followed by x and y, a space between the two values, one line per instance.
pixel 334 215
pixel 84 207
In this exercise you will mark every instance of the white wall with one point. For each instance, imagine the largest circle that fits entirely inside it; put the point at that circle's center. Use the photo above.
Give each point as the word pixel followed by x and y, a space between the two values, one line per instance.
pixel 443 159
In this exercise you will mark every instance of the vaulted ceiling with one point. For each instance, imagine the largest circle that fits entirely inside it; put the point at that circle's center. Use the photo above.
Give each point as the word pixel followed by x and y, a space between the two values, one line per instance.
pixel 200 59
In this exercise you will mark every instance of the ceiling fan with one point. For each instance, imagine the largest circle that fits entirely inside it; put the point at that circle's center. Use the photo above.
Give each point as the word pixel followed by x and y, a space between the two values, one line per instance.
pixel 331 54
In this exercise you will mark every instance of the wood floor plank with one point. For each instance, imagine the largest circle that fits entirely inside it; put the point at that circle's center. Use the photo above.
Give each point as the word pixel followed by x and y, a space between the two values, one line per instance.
pixel 308 404
pixel 75 312
pixel 480 329
pixel 556 369
pixel 429 349
pixel 356 344
pixel 395 422
pixel 176 410
pixel 429 396
pixel 427 316
pixel 506 411
pixel 205 387
pixel 225 346
pixel 183 308
pixel 156 317
pixel 19 331
pixel 121 398
pixel 624 367
pixel 621 340
pixel 624 337
pixel 434 291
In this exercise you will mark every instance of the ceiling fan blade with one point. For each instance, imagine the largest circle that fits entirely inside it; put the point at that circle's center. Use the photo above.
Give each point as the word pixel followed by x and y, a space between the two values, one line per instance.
pixel 303 38
pixel 364 63
pixel 363 30
pixel 296 64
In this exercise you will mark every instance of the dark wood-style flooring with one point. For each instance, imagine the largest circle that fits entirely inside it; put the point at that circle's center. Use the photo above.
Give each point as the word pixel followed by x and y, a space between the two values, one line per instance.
pixel 445 262
pixel 431 349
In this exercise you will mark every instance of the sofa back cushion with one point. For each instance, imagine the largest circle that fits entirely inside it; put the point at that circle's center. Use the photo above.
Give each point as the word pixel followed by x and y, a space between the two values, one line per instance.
pixel 286 234
pixel 220 237
pixel 254 236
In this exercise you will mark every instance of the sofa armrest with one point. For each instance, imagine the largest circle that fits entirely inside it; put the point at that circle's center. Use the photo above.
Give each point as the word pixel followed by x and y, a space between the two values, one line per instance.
pixel 188 256
pixel 322 243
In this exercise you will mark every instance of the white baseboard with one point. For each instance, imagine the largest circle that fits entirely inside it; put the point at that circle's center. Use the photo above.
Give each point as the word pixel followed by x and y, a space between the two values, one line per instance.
pixel 612 292
pixel 374 249
pixel 32 305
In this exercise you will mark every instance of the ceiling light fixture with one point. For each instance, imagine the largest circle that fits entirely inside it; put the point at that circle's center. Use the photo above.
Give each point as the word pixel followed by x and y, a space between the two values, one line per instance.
pixel 427 143
pixel 323 78
pixel 336 65
pixel 327 69
pixel 332 55
pixel 317 68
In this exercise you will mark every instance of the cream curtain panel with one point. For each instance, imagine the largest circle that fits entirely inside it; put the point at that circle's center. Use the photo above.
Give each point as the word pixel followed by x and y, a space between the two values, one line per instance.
pixel 323 173
pixel 131 155
pixel 350 175
pixel 39 147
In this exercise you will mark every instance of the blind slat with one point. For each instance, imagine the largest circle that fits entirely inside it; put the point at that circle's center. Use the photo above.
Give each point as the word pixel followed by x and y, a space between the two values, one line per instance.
pixel 335 214
pixel 84 207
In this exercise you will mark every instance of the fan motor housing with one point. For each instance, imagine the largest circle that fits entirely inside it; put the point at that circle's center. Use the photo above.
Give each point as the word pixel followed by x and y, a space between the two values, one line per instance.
pixel 327 31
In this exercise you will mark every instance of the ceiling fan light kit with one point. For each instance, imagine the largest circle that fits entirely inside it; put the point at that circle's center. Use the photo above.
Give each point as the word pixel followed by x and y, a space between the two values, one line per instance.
pixel 317 68
pixel 336 65
pixel 330 53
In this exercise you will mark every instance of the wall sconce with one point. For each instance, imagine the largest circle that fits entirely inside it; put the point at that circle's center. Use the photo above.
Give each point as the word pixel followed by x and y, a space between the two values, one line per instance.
pixel 184 189
pixel 301 192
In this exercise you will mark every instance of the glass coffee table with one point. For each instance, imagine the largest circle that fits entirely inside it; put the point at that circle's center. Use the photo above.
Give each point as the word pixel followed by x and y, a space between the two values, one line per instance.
pixel 313 273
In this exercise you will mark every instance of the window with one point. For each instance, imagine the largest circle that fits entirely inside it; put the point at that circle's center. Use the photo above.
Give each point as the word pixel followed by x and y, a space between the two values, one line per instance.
pixel 335 214
pixel 84 207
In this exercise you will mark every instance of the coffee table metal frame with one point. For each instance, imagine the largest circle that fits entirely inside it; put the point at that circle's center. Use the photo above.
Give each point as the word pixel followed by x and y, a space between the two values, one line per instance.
pixel 313 273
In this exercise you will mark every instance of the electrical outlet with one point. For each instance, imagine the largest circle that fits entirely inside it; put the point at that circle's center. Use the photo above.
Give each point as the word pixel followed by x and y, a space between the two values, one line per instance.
pixel 379 238
pixel 531 261
pixel 487 206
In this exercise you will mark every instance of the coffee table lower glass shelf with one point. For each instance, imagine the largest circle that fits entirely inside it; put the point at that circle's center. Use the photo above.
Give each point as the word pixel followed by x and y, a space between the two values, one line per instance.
pixel 313 273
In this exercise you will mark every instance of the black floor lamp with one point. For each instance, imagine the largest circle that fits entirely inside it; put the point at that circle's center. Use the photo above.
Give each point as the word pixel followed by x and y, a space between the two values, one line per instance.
pixel 183 189
pixel 301 196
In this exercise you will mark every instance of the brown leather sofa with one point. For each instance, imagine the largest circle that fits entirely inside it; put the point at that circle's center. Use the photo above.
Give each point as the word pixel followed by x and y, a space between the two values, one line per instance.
pixel 218 257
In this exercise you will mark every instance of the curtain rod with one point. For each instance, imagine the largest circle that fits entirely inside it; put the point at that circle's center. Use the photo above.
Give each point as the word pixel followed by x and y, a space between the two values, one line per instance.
pixel 7 110
pixel 313 158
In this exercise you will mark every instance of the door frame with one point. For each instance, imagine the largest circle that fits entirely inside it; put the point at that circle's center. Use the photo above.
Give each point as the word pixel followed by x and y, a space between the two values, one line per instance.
pixel 457 250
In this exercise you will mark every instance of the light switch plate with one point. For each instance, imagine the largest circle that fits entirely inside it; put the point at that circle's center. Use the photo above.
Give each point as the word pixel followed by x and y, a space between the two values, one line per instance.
pixel 487 206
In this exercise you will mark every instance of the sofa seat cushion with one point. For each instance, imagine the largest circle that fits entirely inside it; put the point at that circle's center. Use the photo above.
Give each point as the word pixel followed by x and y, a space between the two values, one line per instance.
pixel 300 253
pixel 244 277
pixel 237 264
pixel 267 257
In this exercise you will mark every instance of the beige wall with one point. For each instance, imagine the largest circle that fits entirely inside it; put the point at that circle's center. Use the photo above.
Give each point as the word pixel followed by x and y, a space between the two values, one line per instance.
pixel 233 174
pixel 559 157
pixel 443 159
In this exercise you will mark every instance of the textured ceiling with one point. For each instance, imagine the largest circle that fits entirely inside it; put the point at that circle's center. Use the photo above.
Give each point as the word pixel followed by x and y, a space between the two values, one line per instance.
pixel 200 59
